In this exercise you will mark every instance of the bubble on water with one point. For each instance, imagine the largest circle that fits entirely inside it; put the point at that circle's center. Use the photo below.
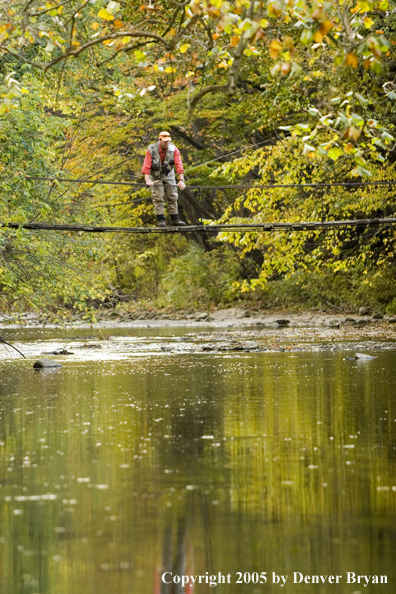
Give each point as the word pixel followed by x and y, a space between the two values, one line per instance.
pixel 105 566
pixel 60 530
pixel 17 512
pixel 83 480
pixel 102 486
pixel 44 497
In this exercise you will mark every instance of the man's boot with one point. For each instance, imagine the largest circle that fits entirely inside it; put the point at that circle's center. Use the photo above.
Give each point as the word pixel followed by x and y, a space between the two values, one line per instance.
pixel 161 221
pixel 175 220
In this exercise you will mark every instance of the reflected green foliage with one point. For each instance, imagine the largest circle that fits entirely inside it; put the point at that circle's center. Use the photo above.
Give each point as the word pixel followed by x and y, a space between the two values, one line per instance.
pixel 243 463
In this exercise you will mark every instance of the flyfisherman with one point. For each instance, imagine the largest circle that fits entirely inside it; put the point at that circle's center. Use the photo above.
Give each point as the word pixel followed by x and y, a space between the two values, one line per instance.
pixel 162 158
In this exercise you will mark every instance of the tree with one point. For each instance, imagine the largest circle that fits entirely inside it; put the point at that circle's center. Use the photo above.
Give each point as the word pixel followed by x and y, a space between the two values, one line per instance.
pixel 39 269
pixel 190 42
pixel 315 82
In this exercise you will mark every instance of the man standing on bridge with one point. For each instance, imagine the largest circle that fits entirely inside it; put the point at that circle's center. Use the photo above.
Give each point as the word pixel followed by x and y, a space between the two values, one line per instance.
pixel 162 158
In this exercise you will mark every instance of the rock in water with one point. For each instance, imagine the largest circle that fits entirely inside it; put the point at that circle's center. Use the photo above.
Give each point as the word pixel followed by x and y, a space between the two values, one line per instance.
pixel 363 356
pixel 282 322
pixel 46 364
pixel 364 311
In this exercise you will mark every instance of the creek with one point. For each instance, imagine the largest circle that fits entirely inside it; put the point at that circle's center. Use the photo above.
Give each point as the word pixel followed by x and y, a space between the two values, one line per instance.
pixel 141 456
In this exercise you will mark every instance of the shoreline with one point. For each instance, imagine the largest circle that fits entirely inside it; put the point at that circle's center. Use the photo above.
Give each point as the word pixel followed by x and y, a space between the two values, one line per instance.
pixel 221 331
pixel 219 318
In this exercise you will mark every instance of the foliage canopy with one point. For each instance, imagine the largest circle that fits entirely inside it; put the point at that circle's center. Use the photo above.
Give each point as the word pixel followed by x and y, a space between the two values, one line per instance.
pixel 276 91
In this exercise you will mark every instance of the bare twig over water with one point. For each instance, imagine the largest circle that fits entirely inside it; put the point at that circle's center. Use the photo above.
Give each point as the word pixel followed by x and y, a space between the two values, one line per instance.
pixel 12 346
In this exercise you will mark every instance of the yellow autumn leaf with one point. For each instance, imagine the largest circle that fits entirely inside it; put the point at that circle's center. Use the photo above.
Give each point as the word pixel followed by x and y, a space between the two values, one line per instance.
pixel 352 133
pixel 170 69
pixel 351 59
pixel 222 65
pixel 234 40
pixel 94 26
pixel 184 48
pixel 318 37
pixel 325 27
pixel 274 9
pixel 318 14
pixel 368 23
pixel 104 14
pixel 275 47
pixel 365 5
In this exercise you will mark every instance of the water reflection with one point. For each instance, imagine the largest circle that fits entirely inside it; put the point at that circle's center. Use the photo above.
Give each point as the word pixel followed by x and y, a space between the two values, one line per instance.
pixel 113 473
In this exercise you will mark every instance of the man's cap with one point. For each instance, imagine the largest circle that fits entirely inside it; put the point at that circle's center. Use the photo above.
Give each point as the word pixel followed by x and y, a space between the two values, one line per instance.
pixel 164 136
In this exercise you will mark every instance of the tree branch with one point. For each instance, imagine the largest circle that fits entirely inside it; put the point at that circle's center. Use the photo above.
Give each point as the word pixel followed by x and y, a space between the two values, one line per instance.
pixel 46 66
pixel 205 91
pixel 40 12
pixel 230 86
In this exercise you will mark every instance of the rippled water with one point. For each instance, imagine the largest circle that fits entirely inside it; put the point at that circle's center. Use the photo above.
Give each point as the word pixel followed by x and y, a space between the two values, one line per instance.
pixel 120 467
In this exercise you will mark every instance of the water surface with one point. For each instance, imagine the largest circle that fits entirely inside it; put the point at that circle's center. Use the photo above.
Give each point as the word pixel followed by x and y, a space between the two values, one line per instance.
pixel 116 469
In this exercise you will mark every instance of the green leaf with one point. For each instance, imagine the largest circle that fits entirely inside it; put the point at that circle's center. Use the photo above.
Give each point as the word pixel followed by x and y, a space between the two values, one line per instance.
pixel 335 152
pixel 306 36
pixel 362 100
